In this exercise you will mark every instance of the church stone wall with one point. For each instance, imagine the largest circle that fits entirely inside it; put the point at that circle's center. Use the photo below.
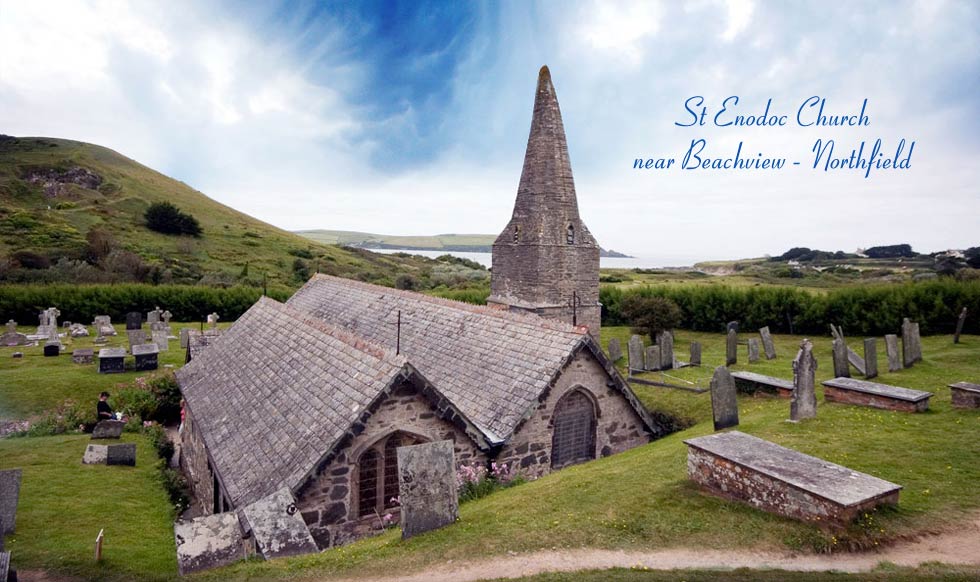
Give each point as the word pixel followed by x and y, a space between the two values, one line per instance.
pixel 194 462
pixel 618 427
pixel 328 503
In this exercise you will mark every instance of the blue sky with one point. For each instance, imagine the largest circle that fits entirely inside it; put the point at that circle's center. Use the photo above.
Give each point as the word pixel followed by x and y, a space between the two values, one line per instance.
pixel 412 118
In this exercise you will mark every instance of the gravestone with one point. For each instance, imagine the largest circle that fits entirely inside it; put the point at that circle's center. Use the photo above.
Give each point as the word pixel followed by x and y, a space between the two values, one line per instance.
pixel 666 342
pixel 911 346
pixel 803 402
pixel 753 350
pixel 615 351
pixel 161 339
pixel 52 348
pixel 121 454
pixel 9 495
pixel 12 339
pixel 841 369
pixel 731 347
pixel 652 357
pixel 146 357
pixel 695 353
pixel 767 345
pixel 112 360
pixel 732 326
pixel 278 526
pixel 108 429
pixel 78 330
pixel 213 320
pixel 83 356
pixel 137 337
pixel 208 542
pixel 724 404
pixel 427 487
pixel 959 326
pixel 95 455
pixel 184 334
pixel 153 316
pixel 7 574
pixel 165 317
pixel 134 320
pixel 870 357
pixel 891 350
pixel 634 349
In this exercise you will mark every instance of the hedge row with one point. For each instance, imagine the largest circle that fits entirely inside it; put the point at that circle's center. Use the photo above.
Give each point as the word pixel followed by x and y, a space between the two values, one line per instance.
pixel 82 303
pixel 871 310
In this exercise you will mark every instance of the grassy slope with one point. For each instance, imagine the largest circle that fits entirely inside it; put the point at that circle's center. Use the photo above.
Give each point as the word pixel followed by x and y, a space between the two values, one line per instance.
pixel 230 238
pixel 63 505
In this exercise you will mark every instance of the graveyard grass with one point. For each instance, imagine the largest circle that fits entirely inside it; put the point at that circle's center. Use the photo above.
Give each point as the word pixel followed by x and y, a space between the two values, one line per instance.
pixel 640 499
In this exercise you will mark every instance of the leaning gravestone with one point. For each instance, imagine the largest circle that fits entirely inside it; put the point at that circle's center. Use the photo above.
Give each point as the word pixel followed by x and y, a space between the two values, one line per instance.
pixel 695 353
pixel 724 404
pixel 427 487
pixel 839 351
pixel 9 495
pixel 134 320
pixel 278 527
pixel 803 402
pixel 666 342
pixel 870 357
pixel 959 326
pixel 891 350
pixel 615 351
pixel 635 351
pixel 731 347
pixel 208 542
pixel 767 345
pixel 653 358
pixel 121 454
pixel 753 350
pixel 108 429
pixel 137 337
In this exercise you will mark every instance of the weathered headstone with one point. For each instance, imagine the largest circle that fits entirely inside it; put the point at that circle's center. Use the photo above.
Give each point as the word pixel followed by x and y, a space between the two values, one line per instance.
pixel 134 320
pixel 652 357
pixel 767 345
pixel 77 330
pixel 136 337
pixel 615 351
pixel 121 454
pixel 916 341
pixel 165 317
pixel 83 356
pixel 11 326
pixel 108 429
pixel 6 573
pixel 753 350
pixel 213 320
pixel 184 334
pixel 427 487
pixel 911 353
pixel 803 402
pixel 634 349
pixel 161 339
pixel 9 495
pixel 841 369
pixel 112 360
pixel 208 542
pixel 278 527
pixel 13 339
pixel 724 404
pixel 153 316
pixel 52 348
pixel 731 348
pixel 870 357
pixel 146 356
pixel 857 361
pixel 891 350
pixel 732 326
pixel 95 455
pixel 956 336
pixel 666 342
pixel 695 353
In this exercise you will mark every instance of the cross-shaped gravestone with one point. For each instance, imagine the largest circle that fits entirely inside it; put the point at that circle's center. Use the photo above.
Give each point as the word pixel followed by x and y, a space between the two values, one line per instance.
pixel 166 315
pixel 213 320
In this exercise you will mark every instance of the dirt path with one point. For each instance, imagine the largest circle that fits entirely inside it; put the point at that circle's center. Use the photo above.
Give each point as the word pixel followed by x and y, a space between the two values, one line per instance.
pixel 960 547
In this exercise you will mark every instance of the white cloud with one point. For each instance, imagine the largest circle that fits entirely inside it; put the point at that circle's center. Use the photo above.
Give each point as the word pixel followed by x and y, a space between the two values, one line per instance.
pixel 739 17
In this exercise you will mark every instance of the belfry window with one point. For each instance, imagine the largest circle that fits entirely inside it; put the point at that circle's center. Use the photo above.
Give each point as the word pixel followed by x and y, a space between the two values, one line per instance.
pixel 377 474
pixel 570 235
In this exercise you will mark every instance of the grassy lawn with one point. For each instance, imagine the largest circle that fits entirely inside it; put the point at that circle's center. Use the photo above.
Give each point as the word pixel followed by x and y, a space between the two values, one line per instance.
pixel 63 505
pixel 640 499
pixel 34 384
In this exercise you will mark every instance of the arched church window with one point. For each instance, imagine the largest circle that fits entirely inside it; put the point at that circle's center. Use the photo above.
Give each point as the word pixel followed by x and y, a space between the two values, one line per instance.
pixel 377 473
pixel 367 483
pixel 570 234
pixel 573 437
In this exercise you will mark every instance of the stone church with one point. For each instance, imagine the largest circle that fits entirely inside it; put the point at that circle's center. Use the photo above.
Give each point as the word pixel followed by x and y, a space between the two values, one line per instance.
pixel 318 393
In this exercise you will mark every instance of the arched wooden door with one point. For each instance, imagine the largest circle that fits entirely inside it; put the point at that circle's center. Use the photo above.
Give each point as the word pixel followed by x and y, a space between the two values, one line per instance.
pixel 573 435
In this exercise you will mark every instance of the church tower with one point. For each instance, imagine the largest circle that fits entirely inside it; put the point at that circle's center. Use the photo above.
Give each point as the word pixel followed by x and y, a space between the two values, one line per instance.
pixel 546 261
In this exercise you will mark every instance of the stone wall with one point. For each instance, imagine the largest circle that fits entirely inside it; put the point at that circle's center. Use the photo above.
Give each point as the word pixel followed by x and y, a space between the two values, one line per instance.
pixel 618 427
pixel 735 482
pixel 194 463
pixel 328 502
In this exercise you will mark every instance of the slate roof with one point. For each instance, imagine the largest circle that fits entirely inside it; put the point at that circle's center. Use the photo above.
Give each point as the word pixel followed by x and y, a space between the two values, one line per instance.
pixel 493 364
pixel 277 392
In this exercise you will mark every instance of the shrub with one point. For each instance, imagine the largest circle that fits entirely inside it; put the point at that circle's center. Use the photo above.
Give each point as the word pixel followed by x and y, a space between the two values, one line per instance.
pixel 176 487
pixel 166 218
pixel 650 315
pixel 70 416
pixel 31 260
pixel 475 481
pixel 301 253
pixel 407 282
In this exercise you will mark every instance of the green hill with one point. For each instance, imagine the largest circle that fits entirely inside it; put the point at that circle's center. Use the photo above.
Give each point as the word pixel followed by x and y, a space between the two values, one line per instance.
pixel 54 193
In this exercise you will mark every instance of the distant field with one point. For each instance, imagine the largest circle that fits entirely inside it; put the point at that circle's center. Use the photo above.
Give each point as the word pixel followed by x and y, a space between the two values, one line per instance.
pixel 460 242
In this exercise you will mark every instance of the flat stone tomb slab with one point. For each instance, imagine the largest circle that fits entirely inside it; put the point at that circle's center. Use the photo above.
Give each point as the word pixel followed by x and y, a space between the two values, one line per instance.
pixel 108 429
pixel 146 356
pixel 778 480
pixel 864 393
pixel 112 360
pixel 965 395
pixel 752 383
pixel 208 542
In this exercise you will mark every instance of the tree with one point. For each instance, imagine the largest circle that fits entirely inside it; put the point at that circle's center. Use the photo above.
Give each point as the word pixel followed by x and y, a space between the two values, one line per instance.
pixel 650 315
pixel 166 218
